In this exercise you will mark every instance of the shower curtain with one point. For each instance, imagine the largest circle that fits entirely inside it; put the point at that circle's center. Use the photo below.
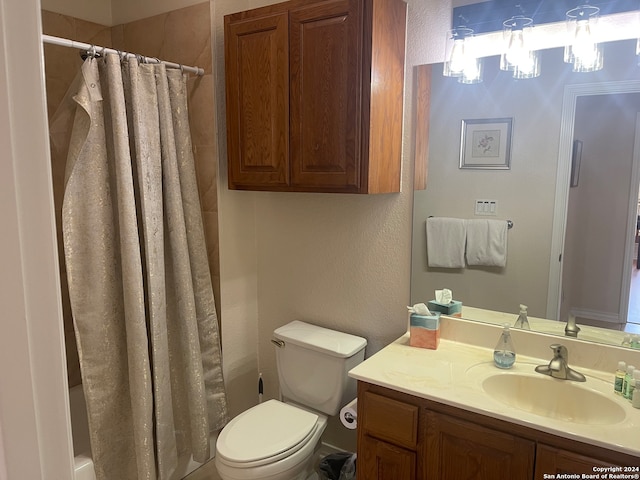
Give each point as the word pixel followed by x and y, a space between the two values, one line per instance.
pixel 139 281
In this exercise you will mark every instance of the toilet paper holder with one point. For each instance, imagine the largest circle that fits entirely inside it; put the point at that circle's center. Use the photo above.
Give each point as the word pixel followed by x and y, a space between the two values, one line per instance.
pixel 349 417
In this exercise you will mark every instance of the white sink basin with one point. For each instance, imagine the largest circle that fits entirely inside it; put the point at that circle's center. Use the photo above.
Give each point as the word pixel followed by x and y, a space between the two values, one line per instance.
pixel 552 398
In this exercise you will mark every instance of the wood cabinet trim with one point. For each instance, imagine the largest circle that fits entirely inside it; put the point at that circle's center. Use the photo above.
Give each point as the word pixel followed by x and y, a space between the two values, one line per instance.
pixel 422 88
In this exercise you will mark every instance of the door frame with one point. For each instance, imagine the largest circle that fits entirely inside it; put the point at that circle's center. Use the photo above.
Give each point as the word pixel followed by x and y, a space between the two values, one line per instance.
pixel 567 125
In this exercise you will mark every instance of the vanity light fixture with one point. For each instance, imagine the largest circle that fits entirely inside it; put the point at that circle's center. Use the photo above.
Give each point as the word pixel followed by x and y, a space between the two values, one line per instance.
pixel 582 48
pixel 581 31
pixel 473 64
pixel 462 60
pixel 518 56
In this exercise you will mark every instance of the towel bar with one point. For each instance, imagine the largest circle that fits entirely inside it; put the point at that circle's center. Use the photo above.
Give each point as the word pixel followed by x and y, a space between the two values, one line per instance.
pixel 509 223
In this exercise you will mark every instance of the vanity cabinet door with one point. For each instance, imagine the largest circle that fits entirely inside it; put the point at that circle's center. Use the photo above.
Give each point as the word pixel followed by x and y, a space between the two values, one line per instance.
pixel 552 461
pixel 459 449
pixel 378 460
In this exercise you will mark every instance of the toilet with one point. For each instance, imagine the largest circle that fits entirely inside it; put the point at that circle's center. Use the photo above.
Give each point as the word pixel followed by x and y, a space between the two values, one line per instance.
pixel 276 440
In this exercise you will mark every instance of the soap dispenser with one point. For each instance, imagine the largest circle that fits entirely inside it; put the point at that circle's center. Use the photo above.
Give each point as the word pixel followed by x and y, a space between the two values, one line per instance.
pixel 522 321
pixel 504 355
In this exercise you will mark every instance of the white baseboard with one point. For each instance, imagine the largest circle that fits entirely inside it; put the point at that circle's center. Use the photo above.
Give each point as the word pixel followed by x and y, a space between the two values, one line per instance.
pixel 606 317
pixel 328 449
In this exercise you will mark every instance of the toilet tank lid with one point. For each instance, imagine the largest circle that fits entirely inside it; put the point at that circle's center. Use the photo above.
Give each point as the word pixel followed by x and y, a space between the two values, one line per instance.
pixel 332 342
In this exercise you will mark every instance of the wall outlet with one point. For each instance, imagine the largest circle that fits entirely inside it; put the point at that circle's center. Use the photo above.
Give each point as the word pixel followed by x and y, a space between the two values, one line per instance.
pixel 486 207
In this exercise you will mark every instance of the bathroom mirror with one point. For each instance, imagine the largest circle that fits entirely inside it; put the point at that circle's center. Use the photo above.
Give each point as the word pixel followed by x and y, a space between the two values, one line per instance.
pixel 595 219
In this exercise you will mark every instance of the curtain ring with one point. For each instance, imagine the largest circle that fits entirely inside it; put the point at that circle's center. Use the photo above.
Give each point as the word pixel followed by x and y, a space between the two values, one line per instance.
pixel 182 69
pixel 92 51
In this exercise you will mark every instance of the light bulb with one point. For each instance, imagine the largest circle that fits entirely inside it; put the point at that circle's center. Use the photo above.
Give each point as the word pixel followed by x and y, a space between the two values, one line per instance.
pixel 529 67
pixel 584 48
pixel 456 50
pixel 516 52
pixel 472 72
pixel 457 59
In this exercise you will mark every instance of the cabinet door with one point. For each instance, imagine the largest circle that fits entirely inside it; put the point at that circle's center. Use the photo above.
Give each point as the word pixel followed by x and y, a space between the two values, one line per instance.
pixel 460 449
pixel 257 76
pixel 378 460
pixel 552 461
pixel 326 90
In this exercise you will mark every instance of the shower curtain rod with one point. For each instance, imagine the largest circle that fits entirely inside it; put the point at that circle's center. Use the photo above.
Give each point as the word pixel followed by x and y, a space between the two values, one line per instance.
pixel 65 42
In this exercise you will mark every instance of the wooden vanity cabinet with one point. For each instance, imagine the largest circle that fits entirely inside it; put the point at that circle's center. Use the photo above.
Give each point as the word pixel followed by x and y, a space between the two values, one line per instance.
pixel 552 461
pixel 402 437
pixel 389 435
pixel 457 448
pixel 314 92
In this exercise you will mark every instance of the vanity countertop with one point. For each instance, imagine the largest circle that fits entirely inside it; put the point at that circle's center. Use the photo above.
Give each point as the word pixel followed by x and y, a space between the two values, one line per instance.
pixel 453 375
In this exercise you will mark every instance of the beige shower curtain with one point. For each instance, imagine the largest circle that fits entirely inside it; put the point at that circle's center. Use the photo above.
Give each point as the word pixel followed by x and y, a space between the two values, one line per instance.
pixel 138 275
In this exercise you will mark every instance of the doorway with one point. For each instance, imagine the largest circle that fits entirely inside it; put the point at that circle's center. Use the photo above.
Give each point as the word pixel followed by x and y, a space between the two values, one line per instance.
pixel 601 224
pixel 633 315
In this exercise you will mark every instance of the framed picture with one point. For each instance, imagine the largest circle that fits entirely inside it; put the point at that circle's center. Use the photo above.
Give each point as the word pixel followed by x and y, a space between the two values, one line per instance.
pixel 576 157
pixel 486 143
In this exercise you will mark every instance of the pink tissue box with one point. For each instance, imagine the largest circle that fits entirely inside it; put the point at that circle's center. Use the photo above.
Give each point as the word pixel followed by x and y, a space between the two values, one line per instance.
pixel 424 330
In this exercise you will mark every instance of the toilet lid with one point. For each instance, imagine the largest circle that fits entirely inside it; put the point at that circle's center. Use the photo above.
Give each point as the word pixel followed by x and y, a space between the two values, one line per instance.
pixel 264 431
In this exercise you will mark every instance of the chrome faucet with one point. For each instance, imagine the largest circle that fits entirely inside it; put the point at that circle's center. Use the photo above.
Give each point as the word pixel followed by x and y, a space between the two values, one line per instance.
pixel 559 365
pixel 571 329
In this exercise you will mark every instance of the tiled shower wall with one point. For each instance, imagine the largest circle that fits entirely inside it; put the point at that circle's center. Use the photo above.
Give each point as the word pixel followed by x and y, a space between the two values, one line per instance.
pixel 181 36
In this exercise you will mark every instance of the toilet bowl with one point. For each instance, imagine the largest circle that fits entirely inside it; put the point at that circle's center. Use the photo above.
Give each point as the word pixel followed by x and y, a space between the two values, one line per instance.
pixel 271 441
pixel 276 440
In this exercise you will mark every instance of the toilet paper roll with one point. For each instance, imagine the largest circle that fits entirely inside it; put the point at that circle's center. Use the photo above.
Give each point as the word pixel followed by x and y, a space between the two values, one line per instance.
pixel 349 414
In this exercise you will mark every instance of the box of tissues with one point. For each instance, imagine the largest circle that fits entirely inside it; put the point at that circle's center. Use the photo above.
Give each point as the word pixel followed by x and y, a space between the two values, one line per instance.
pixel 424 327
pixel 453 308
pixel 445 304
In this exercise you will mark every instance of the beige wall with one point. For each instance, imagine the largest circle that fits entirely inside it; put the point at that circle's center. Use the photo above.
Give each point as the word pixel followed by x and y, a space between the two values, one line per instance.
pixel 95 11
pixel 125 11
pixel 114 12
pixel 525 193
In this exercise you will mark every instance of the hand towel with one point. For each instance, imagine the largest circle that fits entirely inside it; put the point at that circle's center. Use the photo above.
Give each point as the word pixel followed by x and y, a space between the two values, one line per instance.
pixel 445 242
pixel 487 242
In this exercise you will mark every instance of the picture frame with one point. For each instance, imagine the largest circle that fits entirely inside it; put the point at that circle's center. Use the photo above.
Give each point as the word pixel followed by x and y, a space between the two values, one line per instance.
pixel 485 143
pixel 576 159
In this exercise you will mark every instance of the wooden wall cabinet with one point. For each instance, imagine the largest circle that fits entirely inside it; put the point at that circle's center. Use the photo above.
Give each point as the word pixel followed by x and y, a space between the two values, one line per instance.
pixel 314 92
pixel 402 437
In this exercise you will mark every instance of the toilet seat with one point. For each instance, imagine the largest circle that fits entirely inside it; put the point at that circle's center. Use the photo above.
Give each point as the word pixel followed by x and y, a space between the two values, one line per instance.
pixel 265 434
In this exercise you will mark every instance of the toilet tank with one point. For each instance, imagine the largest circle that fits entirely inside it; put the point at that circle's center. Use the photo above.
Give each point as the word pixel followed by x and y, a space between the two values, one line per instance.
pixel 313 363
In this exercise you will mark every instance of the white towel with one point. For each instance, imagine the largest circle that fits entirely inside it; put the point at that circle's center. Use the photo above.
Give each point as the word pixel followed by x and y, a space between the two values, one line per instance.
pixel 445 242
pixel 487 242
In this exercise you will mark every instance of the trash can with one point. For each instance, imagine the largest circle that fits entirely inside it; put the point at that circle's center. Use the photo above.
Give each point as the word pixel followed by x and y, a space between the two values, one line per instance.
pixel 338 466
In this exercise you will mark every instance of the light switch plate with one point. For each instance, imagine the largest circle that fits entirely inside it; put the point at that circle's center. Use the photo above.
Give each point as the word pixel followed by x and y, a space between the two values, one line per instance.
pixel 486 207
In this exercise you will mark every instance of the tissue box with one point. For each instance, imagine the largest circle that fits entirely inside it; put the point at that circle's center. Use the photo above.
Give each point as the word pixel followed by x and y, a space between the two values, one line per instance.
pixel 424 330
pixel 453 309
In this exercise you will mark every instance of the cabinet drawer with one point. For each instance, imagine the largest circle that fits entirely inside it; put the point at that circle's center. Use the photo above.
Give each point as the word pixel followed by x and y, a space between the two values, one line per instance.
pixel 389 420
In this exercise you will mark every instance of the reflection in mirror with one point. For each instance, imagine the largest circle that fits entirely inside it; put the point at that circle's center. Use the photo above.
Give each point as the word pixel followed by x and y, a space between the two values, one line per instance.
pixel 596 264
